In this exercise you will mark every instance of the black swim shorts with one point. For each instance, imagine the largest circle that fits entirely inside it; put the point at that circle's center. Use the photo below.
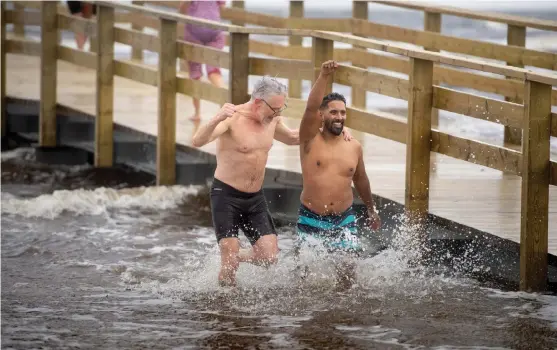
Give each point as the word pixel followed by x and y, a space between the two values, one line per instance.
pixel 232 210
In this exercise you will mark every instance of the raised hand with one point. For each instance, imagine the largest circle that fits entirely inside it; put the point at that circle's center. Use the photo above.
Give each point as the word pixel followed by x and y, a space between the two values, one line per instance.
pixel 226 111
pixel 328 67
pixel 347 135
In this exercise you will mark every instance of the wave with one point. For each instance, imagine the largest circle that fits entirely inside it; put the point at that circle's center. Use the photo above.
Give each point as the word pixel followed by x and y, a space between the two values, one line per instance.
pixel 98 201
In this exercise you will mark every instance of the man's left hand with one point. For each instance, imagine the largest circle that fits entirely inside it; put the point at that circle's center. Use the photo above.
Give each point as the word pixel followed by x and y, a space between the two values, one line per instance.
pixel 347 135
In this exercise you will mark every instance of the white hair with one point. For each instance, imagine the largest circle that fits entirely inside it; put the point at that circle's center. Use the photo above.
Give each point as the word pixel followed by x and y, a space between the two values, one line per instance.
pixel 266 87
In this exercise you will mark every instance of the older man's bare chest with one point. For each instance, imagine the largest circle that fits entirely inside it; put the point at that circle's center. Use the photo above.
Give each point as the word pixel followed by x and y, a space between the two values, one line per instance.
pixel 245 136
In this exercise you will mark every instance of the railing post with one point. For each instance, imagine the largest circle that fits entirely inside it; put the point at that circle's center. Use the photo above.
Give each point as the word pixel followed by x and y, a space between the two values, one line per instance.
pixel 3 66
pixel 239 5
pixel 239 68
pixel 137 52
pixel 166 139
pixel 322 50
pixel 359 11
pixel 418 142
pixel 104 141
pixel 19 26
pixel 296 11
pixel 516 36
pixel 49 45
pixel 432 23
pixel 535 187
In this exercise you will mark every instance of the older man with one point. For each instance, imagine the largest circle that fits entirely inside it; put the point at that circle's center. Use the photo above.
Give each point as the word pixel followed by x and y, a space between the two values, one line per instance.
pixel 244 135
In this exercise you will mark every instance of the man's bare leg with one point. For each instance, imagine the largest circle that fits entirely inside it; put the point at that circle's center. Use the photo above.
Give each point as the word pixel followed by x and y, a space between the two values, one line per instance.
pixel 229 248
pixel 263 253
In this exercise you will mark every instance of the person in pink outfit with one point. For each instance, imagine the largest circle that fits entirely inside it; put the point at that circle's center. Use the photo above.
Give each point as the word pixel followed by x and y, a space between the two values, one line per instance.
pixel 209 10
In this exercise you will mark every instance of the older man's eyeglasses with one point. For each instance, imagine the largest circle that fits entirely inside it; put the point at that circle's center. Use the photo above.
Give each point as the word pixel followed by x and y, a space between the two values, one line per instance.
pixel 277 111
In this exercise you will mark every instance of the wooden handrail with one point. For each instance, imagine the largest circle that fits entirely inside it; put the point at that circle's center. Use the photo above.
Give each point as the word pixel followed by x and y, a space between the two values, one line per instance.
pixel 453 60
pixel 487 16
pixel 519 73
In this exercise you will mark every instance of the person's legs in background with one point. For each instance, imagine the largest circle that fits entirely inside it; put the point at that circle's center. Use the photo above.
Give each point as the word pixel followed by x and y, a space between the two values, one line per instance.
pixel 214 73
pixel 195 73
pixel 86 11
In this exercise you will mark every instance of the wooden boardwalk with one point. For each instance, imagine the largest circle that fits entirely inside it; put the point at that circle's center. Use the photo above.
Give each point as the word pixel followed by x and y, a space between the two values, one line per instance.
pixel 470 194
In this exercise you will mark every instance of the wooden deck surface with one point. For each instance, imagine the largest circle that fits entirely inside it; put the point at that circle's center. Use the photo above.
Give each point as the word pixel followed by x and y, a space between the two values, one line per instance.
pixel 473 195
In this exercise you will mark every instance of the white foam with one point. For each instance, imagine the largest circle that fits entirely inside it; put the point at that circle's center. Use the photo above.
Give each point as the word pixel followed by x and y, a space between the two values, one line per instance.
pixel 18 153
pixel 547 304
pixel 98 201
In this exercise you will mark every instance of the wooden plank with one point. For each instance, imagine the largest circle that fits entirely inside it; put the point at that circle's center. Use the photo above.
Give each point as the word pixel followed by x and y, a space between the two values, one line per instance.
pixel 166 140
pixel 515 36
pixel 447 75
pixel 455 77
pixel 281 68
pixel 392 129
pixel 280 51
pixel 339 25
pixel 322 50
pixel 295 85
pixel 204 54
pixel 104 141
pixel 135 71
pixel 553 174
pixel 239 68
pixel 418 144
pixel 202 90
pixel 554 124
pixel 432 23
pixel 23 46
pixel 239 16
pixel 3 50
pixel 30 18
pixel 535 188
pixel 19 22
pixel 361 57
pixel 496 111
pixel 49 45
pixel 453 60
pixel 136 39
pixel 137 52
pixel 476 152
pixel 370 81
pixel 511 54
pixel 240 5
pixel 481 15
pixel 359 10
pixel 77 57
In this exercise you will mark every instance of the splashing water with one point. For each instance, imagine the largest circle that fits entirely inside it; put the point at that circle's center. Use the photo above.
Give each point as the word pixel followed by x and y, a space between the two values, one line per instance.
pixel 127 267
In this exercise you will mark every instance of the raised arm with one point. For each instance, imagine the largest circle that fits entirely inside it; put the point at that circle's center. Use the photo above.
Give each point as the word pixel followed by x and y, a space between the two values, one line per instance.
pixel 309 126
pixel 286 135
pixel 363 186
pixel 217 126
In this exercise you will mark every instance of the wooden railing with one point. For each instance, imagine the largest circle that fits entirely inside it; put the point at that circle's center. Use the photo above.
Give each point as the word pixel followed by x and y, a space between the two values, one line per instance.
pixel 516 36
pixel 421 91
pixel 513 54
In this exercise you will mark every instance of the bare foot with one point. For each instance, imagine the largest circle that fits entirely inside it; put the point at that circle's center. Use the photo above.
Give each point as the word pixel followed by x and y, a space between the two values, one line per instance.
pixel 195 117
